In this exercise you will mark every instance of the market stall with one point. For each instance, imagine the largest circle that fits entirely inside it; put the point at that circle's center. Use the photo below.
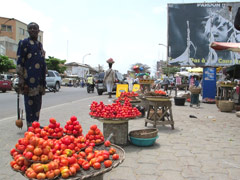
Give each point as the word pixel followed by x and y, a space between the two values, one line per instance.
pixel 115 119
pixel 159 109
pixel 54 152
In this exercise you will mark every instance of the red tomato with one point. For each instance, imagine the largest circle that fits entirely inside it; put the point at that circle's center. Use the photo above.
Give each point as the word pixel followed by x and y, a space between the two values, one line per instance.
pixel 107 143
pixel 35 124
pixel 93 127
pixel 107 163
pixel 73 118
pixel 115 157
pixel 96 165
pixel 86 166
pixel 52 120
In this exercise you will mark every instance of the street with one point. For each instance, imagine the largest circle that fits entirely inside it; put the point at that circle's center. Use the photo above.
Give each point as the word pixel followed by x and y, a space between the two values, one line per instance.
pixel 8 100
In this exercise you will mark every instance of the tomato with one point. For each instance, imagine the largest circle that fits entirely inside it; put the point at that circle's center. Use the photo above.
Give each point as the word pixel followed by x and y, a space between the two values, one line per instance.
pixel 56 172
pixel 52 120
pixel 86 166
pixel 115 157
pixel 38 168
pixel 88 150
pixel 76 165
pixel 44 158
pixel 93 127
pixel 73 118
pixel 100 159
pixel 107 143
pixel 28 155
pixel 91 132
pixel 35 124
pixel 90 156
pixel 73 170
pixel 50 174
pixel 112 151
pixel 64 162
pixel 96 165
pixel 107 163
pixel 37 151
pixel 31 174
pixel 72 160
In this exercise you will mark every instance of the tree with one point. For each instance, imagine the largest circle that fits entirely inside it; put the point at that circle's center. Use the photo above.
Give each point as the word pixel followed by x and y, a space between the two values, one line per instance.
pixel 170 70
pixel 6 64
pixel 55 64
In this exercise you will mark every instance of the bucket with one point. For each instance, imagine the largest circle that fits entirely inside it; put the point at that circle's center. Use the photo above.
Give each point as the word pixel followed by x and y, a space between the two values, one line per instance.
pixel 179 101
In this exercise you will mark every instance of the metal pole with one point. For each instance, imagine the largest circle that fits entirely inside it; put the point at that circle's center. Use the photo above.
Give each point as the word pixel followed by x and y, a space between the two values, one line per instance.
pixel 84 57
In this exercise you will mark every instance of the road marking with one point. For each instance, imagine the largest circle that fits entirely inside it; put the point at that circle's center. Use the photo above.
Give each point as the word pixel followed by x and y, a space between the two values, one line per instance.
pixel 47 108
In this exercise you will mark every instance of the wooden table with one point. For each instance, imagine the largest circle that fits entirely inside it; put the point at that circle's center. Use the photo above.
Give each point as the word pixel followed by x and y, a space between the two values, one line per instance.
pixel 225 91
pixel 156 118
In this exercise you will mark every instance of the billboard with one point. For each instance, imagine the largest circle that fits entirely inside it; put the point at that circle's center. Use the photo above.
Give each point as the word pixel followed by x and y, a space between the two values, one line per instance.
pixel 193 27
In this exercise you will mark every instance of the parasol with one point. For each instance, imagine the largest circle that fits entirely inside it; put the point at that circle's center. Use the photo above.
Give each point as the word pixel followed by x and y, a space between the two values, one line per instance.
pixel 235 47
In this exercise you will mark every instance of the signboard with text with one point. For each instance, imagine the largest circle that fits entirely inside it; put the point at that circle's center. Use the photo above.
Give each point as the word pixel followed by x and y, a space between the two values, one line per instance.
pixel 193 27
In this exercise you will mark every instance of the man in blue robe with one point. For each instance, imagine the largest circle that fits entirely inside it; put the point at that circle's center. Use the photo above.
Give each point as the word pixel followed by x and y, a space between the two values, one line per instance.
pixel 31 69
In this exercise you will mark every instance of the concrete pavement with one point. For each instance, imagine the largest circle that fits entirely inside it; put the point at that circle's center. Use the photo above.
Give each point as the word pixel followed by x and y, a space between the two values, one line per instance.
pixel 202 148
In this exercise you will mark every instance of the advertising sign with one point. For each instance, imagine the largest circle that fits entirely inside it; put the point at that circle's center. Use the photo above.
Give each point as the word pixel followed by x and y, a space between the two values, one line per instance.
pixel 193 27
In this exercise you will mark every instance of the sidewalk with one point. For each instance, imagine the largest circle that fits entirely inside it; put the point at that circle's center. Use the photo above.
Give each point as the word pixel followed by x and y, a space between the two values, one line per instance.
pixel 203 148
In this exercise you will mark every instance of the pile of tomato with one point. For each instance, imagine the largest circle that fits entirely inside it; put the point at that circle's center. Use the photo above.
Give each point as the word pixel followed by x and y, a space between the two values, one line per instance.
pixel 42 158
pixel 114 111
pixel 124 96
pixel 160 92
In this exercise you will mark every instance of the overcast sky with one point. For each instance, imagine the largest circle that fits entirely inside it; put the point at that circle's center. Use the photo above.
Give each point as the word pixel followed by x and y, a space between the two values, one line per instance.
pixel 128 31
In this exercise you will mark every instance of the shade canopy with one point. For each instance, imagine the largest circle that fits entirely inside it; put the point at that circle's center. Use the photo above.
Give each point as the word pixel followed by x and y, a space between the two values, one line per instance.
pixel 235 47
pixel 196 70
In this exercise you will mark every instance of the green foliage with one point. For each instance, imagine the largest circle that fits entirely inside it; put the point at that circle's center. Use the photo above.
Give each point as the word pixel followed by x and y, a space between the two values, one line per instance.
pixel 55 64
pixel 6 64
pixel 170 70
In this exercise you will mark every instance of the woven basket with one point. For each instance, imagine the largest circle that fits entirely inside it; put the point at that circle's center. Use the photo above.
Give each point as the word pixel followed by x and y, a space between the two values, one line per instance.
pixel 225 106
pixel 195 90
pixel 144 133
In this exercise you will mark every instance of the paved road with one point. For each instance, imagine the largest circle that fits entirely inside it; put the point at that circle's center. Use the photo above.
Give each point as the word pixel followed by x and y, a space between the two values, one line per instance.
pixel 202 148
pixel 8 100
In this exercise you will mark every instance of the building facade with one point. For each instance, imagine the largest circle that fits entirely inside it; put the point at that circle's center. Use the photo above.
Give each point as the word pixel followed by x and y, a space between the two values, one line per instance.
pixel 11 32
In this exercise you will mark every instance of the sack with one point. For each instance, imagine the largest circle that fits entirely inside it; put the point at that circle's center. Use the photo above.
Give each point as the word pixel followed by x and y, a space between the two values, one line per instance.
pixel 237 20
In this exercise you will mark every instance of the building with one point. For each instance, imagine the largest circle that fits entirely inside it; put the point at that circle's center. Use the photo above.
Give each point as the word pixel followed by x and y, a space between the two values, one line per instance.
pixel 81 70
pixel 160 65
pixel 11 32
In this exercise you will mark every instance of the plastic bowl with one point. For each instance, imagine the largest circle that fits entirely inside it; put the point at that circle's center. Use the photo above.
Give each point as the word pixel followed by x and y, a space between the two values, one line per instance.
pixel 143 141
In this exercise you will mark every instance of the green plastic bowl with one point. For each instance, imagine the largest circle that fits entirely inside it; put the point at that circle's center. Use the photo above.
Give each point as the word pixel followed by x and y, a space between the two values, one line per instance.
pixel 143 141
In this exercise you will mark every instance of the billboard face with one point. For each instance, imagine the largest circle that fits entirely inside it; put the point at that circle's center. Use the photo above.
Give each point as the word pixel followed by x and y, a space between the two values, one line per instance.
pixel 193 27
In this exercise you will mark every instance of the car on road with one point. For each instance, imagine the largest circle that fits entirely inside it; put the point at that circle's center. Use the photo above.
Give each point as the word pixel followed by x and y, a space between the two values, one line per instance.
pixel 53 80
pixel 101 87
pixel 5 82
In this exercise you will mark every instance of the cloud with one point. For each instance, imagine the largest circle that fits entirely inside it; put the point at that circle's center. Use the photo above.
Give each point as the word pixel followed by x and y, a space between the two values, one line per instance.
pixel 159 9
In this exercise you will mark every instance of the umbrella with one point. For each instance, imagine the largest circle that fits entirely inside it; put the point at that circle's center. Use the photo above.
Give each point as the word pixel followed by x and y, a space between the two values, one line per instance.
pixel 196 70
pixel 235 47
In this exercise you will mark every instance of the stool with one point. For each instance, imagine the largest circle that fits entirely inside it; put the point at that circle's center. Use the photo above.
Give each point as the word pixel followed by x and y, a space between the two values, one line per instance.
pixel 163 118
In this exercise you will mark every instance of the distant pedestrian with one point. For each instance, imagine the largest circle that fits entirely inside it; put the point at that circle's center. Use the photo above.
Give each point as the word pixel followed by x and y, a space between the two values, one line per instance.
pixel 109 77
pixel 165 83
pixel 31 69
